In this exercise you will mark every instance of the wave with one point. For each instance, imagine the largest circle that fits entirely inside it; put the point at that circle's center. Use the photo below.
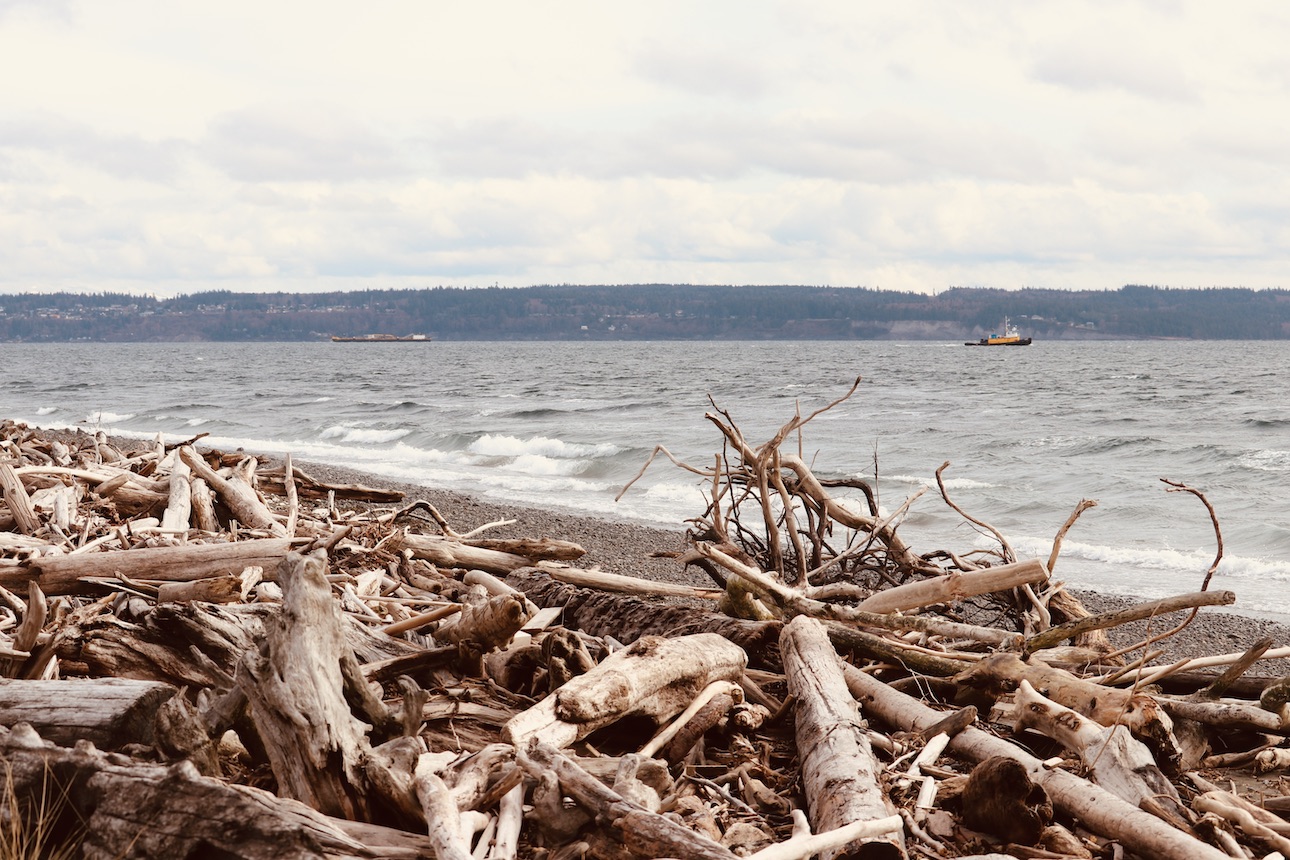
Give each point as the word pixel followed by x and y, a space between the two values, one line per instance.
pixel 107 418
pixel 364 435
pixel 1195 562
pixel 47 410
pixel 1267 460
pixel 500 445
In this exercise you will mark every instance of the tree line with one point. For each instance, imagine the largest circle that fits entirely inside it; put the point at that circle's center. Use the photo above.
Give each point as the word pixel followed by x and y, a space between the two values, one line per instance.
pixel 650 311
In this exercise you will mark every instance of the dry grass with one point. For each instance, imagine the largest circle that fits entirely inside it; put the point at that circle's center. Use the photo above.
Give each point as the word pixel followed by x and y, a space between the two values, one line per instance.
pixel 37 822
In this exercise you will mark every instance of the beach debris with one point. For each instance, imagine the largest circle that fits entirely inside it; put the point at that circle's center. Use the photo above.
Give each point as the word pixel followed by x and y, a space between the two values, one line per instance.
pixel 202 652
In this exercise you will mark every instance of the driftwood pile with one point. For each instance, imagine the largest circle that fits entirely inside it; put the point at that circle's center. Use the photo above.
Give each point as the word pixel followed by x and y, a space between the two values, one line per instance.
pixel 209 658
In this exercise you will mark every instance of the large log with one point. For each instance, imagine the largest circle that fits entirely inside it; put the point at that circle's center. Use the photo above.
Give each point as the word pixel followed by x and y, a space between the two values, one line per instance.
pixel 107 712
pixel 839 771
pixel 447 552
pixel 62 574
pixel 237 494
pixel 955 587
pixel 129 810
pixel 297 689
pixel 653 677
pixel 1095 808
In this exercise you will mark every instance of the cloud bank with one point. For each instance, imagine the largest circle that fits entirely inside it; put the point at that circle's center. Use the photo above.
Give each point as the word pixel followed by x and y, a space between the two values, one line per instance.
pixel 326 145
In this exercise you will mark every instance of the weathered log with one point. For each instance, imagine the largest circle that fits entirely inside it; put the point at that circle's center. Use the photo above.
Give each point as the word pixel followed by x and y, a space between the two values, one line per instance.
pixel 180 505
pixel 107 712
pixel 297 695
pixel 1116 761
pixel 237 494
pixel 447 552
pixel 839 771
pixel 602 581
pixel 134 811
pixel 203 502
pixel 1069 630
pixel 27 635
pixel 955 587
pixel 536 549
pixel 1143 715
pixel 62 574
pixel 15 496
pixel 653 677
pixel 1097 809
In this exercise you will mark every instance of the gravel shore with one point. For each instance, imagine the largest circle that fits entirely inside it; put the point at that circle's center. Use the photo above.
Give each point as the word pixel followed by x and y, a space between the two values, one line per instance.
pixel 630 549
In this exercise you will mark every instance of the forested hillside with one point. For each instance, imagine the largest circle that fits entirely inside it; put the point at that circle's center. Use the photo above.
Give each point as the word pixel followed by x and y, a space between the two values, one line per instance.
pixel 650 311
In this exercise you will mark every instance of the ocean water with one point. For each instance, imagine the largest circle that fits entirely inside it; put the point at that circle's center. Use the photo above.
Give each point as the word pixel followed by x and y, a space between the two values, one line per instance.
pixel 1028 432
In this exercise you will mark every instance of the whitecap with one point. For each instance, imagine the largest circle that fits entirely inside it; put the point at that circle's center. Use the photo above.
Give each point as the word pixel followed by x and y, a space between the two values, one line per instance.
pixel 364 435
pixel 107 418
pixel 47 410
pixel 1268 460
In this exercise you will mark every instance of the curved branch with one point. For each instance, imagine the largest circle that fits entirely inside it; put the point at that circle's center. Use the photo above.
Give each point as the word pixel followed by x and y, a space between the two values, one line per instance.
pixel 1179 487
pixel 1008 554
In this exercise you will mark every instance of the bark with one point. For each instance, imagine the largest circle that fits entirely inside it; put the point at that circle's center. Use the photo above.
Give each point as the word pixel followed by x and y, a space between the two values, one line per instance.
pixel 1097 809
pixel 839 771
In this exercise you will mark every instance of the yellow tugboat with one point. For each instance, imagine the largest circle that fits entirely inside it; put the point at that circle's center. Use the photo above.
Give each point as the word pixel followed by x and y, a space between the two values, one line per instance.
pixel 1010 337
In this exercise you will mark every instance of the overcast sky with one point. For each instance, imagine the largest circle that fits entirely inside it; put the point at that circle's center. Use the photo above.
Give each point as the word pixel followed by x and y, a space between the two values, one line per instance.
pixel 173 147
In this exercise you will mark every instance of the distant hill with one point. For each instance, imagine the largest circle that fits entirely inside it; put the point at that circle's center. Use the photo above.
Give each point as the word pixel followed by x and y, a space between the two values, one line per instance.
pixel 652 312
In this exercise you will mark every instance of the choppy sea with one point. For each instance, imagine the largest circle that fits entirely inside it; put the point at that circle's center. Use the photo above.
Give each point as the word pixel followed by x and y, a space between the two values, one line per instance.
pixel 1029 432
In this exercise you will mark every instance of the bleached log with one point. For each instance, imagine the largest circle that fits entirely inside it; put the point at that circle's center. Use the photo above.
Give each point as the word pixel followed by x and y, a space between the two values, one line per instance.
pixel 297 690
pixel 1143 715
pixel 62 574
pixel 599 579
pixel 955 587
pixel 1061 632
pixel 108 712
pixel 1097 809
pixel 653 677
pixel 238 495
pixel 446 552
pixel 203 501
pixel 15 496
pixel 180 500
pixel 839 771
pixel 1116 761
pixel 536 549
pixel 443 819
